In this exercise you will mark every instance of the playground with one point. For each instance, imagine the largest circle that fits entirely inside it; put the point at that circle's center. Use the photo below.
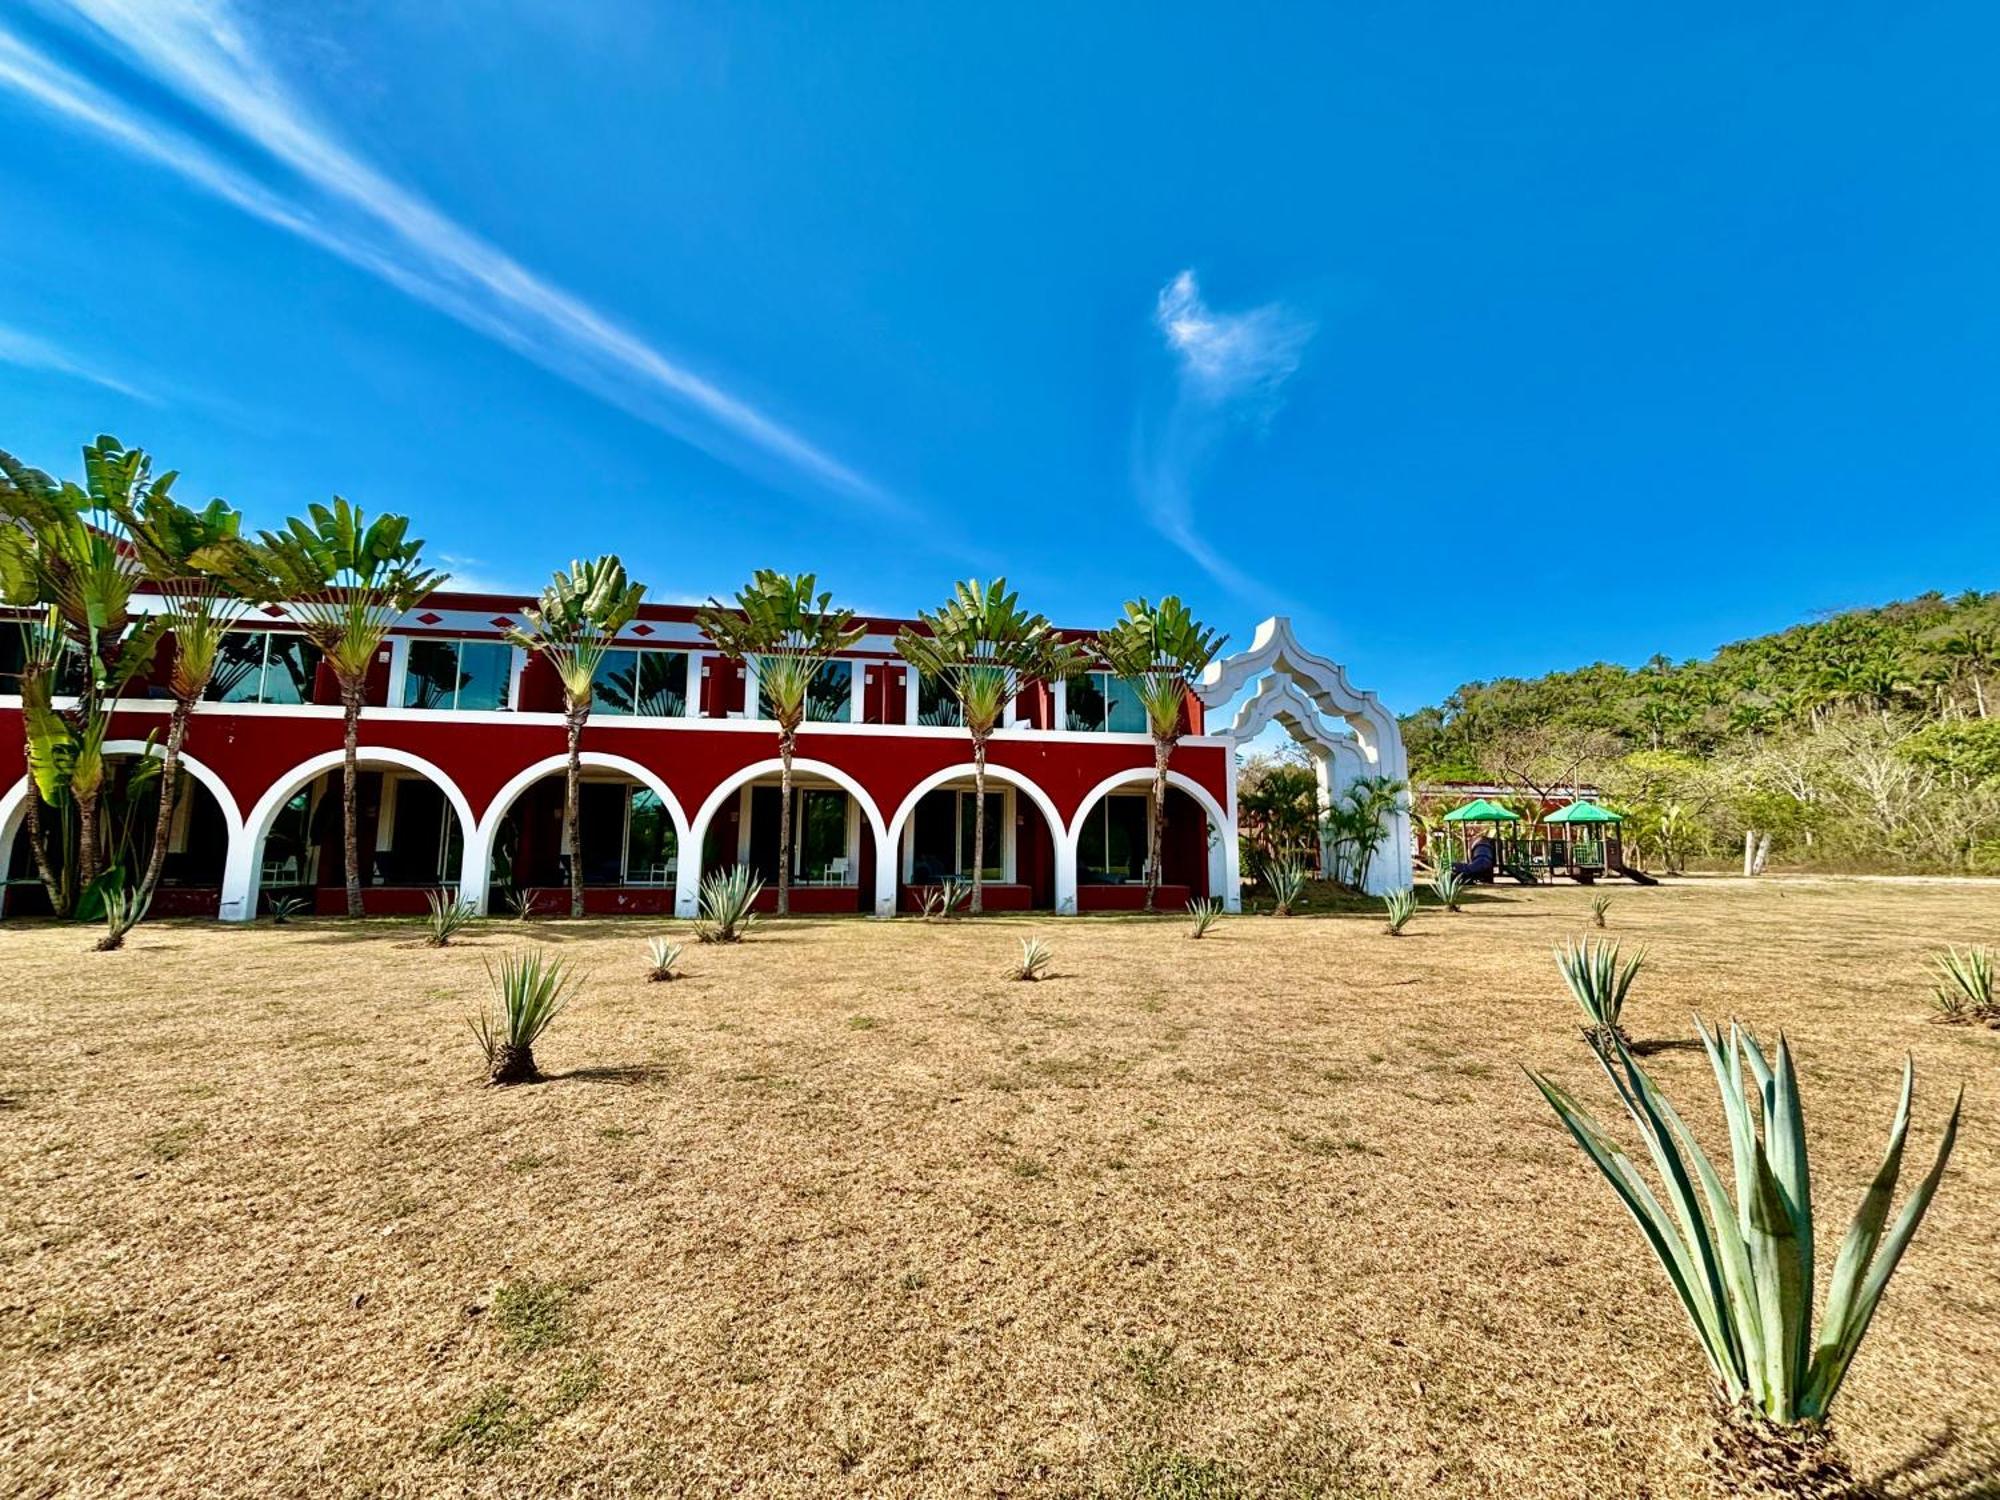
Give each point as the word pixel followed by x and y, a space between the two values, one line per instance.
pixel 1580 841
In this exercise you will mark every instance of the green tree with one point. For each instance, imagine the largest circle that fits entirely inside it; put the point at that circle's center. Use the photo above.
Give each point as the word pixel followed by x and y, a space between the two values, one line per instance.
pixel 346 580
pixel 982 647
pixel 1162 649
pixel 572 627
pixel 789 628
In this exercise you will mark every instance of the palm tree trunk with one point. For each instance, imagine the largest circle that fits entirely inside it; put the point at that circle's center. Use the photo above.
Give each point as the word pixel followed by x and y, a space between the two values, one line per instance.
pixel 573 807
pixel 978 824
pixel 163 824
pixel 59 893
pixel 350 776
pixel 1161 750
pixel 86 840
pixel 787 742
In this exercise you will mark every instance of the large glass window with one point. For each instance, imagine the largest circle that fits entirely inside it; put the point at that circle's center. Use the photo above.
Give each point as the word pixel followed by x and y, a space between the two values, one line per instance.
pixel 942 836
pixel 1111 845
pixel 1101 703
pixel 936 704
pixel 628 838
pixel 650 684
pixel 821 838
pixel 649 839
pixel 264 666
pixel 463 675
pixel 829 696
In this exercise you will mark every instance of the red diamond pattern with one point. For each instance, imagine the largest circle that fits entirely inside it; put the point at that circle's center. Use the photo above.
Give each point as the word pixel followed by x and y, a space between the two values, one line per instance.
pixel 642 629
pixel 427 618
pixel 274 612
pixel 501 622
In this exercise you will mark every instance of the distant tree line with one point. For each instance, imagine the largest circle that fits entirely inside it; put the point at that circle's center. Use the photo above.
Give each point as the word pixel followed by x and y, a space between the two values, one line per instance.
pixel 1868 739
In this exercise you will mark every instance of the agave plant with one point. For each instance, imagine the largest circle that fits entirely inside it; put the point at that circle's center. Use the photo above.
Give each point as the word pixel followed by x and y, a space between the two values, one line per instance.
pixel 1599 905
pixel 727 899
pixel 1205 913
pixel 946 899
pixel 284 908
pixel 664 956
pixel 1600 985
pixel 449 916
pixel 1287 879
pixel 1034 961
pixel 1965 985
pixel 524 902
pixel 1401 906
pixel 123 910
pixel 1449 887
pixel 530 989
pixel 1744 1269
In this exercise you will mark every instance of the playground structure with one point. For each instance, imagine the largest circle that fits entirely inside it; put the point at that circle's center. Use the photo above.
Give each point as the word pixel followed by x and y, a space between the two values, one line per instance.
pixel 1584 842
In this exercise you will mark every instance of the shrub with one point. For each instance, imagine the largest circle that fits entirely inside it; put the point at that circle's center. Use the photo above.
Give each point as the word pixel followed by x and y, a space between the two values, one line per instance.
pixel 1206 914
pixel 1287 880
pixel 120 916
pixel 284 908
pixel 1600 985
pixel 1599 905
pixel 448 917
pixel 523 903
pixel 727 897
pixel 1034 961
pixel 1964 991
pixel 1401 906
pixel 1744 1270
pixel 946 900
pixel 1449 887
pixel 664 956
pixel 530 990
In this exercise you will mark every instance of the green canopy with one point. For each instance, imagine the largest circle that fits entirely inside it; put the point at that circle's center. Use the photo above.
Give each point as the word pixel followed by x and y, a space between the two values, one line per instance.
pixel 1481 811
pixel 1585 812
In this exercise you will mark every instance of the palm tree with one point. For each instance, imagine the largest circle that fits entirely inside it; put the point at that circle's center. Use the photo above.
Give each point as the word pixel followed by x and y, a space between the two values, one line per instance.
pixel 572 627
pixel 982 647
pixel 346 580
pixel 62 548
pixel 1163 649
pixel 791 633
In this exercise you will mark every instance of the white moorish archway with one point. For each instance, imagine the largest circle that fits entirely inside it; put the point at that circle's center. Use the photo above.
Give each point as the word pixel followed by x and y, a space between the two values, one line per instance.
pixel 687 889
pixel 242 876
pixel 889 870
pixel 1223 874
pixel 14 803
pixel 1301 691
pixel 479 848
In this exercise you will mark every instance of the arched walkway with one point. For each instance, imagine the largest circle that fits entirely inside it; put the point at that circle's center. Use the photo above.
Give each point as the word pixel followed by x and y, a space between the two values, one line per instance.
pixel 688 895
pixel 244 877
pixel 14 802
pixel 889 872
pixel 480 848
pixel 1221 846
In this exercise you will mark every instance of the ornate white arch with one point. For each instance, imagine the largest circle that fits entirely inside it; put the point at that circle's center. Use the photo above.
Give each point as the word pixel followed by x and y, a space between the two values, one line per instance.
pixel 240 882
pixel 886 875
pixel 504 800
pixel 1301 692
pixel 687 892
pixel 14 803
pixel 1222 853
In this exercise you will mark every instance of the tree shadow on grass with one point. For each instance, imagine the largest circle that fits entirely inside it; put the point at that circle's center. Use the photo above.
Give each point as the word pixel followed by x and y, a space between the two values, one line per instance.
pixel 625 1075
pixel 1949 1465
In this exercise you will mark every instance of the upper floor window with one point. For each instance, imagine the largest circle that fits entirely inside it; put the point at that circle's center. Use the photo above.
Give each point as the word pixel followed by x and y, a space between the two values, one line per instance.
pixel 462 675
pixel 264 666
pixel 936 703
pixel 1099 702
pixel 829 696
pixel 651 684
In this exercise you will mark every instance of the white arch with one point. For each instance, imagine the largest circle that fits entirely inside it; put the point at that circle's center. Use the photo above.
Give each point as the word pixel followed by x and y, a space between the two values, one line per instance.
pixel 240 882
pixel 687 893
pixel 504 800
pixel 1222 854
pixel 886 874
pixel 14 803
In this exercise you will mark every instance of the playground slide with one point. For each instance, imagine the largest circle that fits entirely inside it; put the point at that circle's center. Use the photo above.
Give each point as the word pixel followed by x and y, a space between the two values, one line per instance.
pixel 1637 877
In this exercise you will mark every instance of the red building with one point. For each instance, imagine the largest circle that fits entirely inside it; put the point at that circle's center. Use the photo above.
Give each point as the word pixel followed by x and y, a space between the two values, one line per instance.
pixel 462 750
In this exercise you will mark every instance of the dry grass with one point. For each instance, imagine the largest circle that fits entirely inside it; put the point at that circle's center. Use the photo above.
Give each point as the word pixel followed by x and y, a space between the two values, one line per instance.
pixel 846 1212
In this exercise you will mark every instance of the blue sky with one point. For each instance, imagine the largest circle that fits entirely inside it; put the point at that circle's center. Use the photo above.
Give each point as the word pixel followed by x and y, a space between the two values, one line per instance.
pixel 1270 306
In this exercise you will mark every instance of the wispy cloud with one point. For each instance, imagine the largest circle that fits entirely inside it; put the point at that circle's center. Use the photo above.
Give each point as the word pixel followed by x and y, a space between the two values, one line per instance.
pixel 30 352
pixel 312 185
pixel 1229 371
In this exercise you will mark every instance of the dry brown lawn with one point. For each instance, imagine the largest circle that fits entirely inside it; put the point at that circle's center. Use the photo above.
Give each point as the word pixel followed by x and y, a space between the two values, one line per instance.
pixel 843 1212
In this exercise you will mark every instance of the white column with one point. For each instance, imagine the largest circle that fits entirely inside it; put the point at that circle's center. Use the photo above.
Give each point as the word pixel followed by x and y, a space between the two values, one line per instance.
pixel 517 666
pixel 750 675
pixel 857 687
pixel 1065 843
pixel 888 872
pixel 399 669
pixel 239 870
pixel 697 664
pixel 687 876
pixel 474 868
pixel 1059 701
pixel 909 695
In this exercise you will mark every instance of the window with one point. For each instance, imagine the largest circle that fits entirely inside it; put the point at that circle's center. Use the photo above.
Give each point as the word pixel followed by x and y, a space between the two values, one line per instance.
pixel 628 838
pixel 264 666
pixel 1111 845
pixel 936 704
pixel 829 696
pixel 1104 704
pixel 650 684
pixel 820 836
pixel 461 675
pixel 942 835
pixel 649 838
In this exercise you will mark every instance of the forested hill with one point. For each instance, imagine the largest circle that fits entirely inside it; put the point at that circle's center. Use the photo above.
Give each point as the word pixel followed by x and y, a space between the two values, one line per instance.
pixel 1897 708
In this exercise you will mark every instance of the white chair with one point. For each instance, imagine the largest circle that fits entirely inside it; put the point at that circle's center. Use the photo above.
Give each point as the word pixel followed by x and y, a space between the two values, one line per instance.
pixel 836 871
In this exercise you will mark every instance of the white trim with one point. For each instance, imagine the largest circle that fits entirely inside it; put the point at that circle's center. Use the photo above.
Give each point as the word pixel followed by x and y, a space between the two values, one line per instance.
pixel 1223 859
pixel 244 872
pixel 488 828
pixel 687 898
pixel 886 872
